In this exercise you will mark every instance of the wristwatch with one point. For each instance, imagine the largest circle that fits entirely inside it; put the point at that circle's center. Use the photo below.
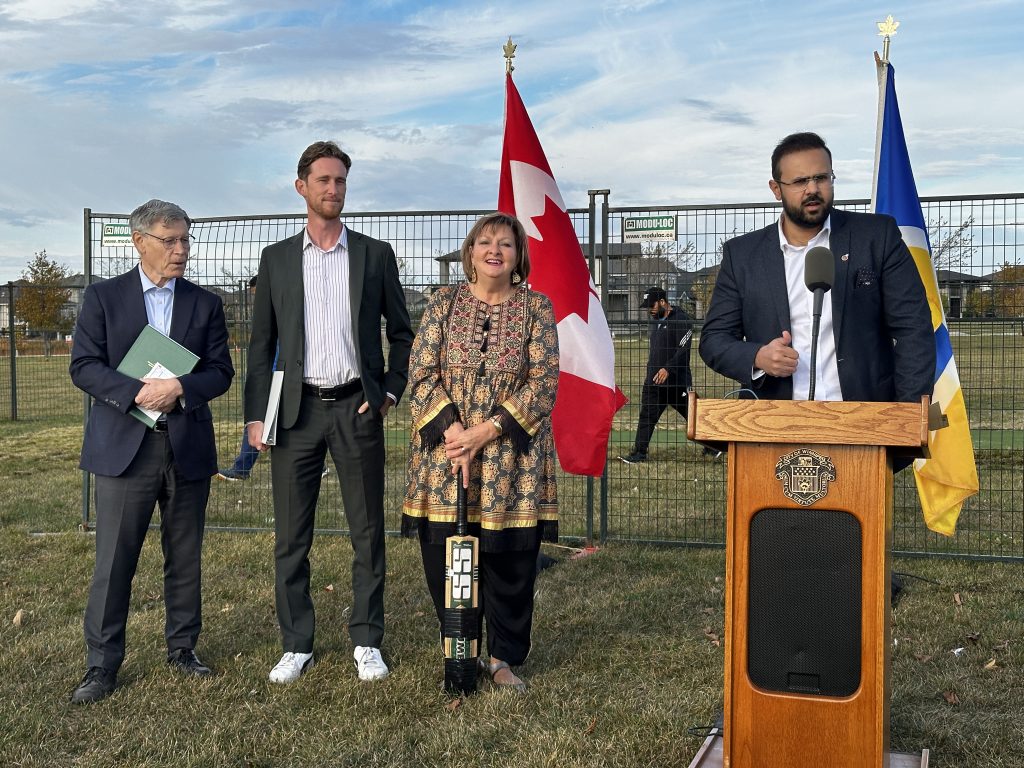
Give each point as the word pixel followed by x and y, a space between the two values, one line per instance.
pixel 496 421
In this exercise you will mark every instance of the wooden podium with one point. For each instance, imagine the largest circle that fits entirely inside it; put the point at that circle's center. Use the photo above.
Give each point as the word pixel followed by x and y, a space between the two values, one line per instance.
pixel 808 540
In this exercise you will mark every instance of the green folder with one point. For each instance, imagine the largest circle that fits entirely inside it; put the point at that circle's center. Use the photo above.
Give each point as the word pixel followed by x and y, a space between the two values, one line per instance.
pixel 153 349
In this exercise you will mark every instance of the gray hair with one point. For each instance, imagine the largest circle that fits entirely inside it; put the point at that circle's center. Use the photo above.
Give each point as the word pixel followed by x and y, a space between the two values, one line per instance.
pixel 157 212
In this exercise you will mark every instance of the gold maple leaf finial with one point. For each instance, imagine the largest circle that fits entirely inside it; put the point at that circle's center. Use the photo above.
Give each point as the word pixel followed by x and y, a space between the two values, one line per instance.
pixel 888 27
pixel 510 53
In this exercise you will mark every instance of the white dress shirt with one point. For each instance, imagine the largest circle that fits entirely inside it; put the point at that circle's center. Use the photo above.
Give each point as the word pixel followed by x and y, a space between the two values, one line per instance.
pixel 330 356
pixel 801 308
pixel 159 302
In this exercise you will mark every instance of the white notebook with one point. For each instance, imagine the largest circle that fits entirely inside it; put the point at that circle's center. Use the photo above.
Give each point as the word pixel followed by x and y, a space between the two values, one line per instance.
pixel 273 406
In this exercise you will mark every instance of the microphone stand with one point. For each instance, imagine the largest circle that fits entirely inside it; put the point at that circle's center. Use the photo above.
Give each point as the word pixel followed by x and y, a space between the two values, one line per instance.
pixel 819 295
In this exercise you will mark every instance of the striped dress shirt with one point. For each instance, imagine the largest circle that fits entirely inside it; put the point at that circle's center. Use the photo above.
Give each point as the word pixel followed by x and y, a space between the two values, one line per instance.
pixel 330 356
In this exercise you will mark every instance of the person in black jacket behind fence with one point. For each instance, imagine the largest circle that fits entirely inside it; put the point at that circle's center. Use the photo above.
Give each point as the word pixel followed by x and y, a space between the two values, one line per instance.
pixel 668 368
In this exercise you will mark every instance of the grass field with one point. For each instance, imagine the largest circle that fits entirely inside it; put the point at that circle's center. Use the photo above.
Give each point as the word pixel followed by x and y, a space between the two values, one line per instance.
pixel 678 497
pixel 627 657
pixel 627 642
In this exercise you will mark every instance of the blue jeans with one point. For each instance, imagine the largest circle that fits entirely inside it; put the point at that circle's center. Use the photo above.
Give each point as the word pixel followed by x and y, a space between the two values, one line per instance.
pixel 247 455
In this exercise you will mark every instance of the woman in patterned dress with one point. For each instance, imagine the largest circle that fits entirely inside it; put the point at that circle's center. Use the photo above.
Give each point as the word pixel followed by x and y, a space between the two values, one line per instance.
pixel 483 374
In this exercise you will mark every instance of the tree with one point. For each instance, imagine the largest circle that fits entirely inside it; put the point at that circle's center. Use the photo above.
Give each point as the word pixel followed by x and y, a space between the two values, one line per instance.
pixel 42 298
pixel 234 290
pixel 704 286
pixel 702 289
pixel 1008 291
pixel 682 256
pixel 954 249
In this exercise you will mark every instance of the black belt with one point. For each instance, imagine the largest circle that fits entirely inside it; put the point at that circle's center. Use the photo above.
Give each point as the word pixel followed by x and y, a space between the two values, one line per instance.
pixel 347 389
pixel 160 426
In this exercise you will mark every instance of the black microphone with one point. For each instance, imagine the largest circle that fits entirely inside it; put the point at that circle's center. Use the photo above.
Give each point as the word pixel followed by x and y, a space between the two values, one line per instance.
pixel 819 274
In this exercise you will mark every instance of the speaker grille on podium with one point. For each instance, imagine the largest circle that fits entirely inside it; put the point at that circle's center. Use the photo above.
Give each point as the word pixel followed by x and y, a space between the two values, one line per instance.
pixel 804 590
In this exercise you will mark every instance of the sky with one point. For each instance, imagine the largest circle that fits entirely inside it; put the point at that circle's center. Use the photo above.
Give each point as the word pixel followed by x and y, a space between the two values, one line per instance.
pixel 208 103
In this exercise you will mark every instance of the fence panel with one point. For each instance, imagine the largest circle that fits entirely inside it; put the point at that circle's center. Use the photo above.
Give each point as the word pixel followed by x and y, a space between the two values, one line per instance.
pixel 678 496
pixel 35 347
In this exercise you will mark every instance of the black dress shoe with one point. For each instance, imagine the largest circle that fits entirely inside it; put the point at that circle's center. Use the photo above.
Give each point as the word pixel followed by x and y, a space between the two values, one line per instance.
pixel 185 660
pixel 97 684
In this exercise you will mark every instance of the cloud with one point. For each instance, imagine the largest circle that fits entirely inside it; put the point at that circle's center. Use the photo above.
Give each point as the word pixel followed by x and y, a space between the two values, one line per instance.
pixel 209 103
pixel 704 109
pixel 22 218
pixel 36 11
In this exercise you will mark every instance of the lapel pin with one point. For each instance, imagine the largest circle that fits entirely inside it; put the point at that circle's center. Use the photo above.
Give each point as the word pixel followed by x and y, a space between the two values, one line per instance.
pixel 845 257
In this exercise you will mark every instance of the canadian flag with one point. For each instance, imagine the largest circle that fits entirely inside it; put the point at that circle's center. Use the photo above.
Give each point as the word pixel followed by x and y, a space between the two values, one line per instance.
pixel 587 396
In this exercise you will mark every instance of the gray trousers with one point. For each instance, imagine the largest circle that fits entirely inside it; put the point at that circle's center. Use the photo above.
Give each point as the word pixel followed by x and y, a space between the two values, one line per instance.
pixel 124 508
pixel 356 445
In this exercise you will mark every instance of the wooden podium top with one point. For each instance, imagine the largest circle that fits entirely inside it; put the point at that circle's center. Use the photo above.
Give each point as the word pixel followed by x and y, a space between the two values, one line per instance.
pixel 895 425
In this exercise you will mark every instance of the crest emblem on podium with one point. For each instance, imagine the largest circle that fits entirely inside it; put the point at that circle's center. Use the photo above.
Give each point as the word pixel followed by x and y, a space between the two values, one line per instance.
pixel 805 475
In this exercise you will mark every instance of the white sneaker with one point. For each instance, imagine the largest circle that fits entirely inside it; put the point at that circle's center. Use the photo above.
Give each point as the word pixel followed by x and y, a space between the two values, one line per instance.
pixel 290 667
pixel 369 663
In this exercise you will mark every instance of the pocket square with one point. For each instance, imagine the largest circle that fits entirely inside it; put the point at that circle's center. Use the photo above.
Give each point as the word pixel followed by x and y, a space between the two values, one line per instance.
pixel 865 277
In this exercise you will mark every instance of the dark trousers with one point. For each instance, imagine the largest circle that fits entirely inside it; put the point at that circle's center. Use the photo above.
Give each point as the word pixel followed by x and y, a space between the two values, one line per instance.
pixel 654 399
pixel 506 596
pixel 124 508
pixel 356 444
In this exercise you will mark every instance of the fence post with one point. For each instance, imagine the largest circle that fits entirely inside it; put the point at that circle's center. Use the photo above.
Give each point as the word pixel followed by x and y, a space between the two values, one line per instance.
pixel 86 399
pixel 12 350
pixel 604 304
pixel 592 253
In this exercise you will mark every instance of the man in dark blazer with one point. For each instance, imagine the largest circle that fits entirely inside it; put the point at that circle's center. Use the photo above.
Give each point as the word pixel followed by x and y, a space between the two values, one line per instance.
pixel 138 467
pixel 320 296
pixel 875 342
pixel 668 368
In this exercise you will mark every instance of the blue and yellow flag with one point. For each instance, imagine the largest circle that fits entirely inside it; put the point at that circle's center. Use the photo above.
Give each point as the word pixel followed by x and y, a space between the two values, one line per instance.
pixel 949 476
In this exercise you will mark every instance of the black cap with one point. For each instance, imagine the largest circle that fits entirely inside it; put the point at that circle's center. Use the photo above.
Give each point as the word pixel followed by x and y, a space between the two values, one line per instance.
pixel 652 296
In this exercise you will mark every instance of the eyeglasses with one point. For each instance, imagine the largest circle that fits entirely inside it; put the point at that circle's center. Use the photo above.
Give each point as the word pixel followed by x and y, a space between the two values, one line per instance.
pixel 169 242
pixel 485 331
pixel 820 180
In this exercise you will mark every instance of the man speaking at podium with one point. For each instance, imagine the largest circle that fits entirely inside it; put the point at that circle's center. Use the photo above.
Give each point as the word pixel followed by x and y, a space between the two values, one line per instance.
pixel 875 341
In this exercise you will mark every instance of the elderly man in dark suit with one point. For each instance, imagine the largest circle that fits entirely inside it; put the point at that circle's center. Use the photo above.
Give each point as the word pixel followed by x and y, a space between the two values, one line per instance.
pixel 875 339
pixel 321 295
pixel 138 467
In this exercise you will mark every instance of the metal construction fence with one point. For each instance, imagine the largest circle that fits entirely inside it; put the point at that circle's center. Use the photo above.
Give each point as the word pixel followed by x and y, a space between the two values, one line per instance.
pixel 678 495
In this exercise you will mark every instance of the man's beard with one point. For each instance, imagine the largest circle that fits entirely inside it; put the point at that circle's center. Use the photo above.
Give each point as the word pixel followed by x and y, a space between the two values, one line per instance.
pixel 795 213
pixel 327 209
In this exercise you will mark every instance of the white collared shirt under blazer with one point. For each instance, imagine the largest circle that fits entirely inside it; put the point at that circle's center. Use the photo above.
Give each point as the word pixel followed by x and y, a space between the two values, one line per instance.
pixel 330 354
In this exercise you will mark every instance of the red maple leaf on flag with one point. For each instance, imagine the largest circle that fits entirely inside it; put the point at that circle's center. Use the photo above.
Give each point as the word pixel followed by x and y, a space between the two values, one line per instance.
pixel 557 263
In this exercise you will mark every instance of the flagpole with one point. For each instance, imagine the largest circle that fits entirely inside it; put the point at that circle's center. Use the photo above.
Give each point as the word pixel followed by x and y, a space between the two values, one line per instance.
pixel 949 476
pixel 886 29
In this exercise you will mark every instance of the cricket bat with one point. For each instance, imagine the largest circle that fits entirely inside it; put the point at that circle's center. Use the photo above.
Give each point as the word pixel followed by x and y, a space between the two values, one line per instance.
pixel 461 630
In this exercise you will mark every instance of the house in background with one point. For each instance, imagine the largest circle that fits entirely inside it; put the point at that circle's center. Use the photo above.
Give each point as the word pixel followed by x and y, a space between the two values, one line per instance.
pixel 956 289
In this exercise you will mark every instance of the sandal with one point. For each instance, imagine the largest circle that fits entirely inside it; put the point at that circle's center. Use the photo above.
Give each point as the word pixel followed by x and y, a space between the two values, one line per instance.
pixel 497 666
